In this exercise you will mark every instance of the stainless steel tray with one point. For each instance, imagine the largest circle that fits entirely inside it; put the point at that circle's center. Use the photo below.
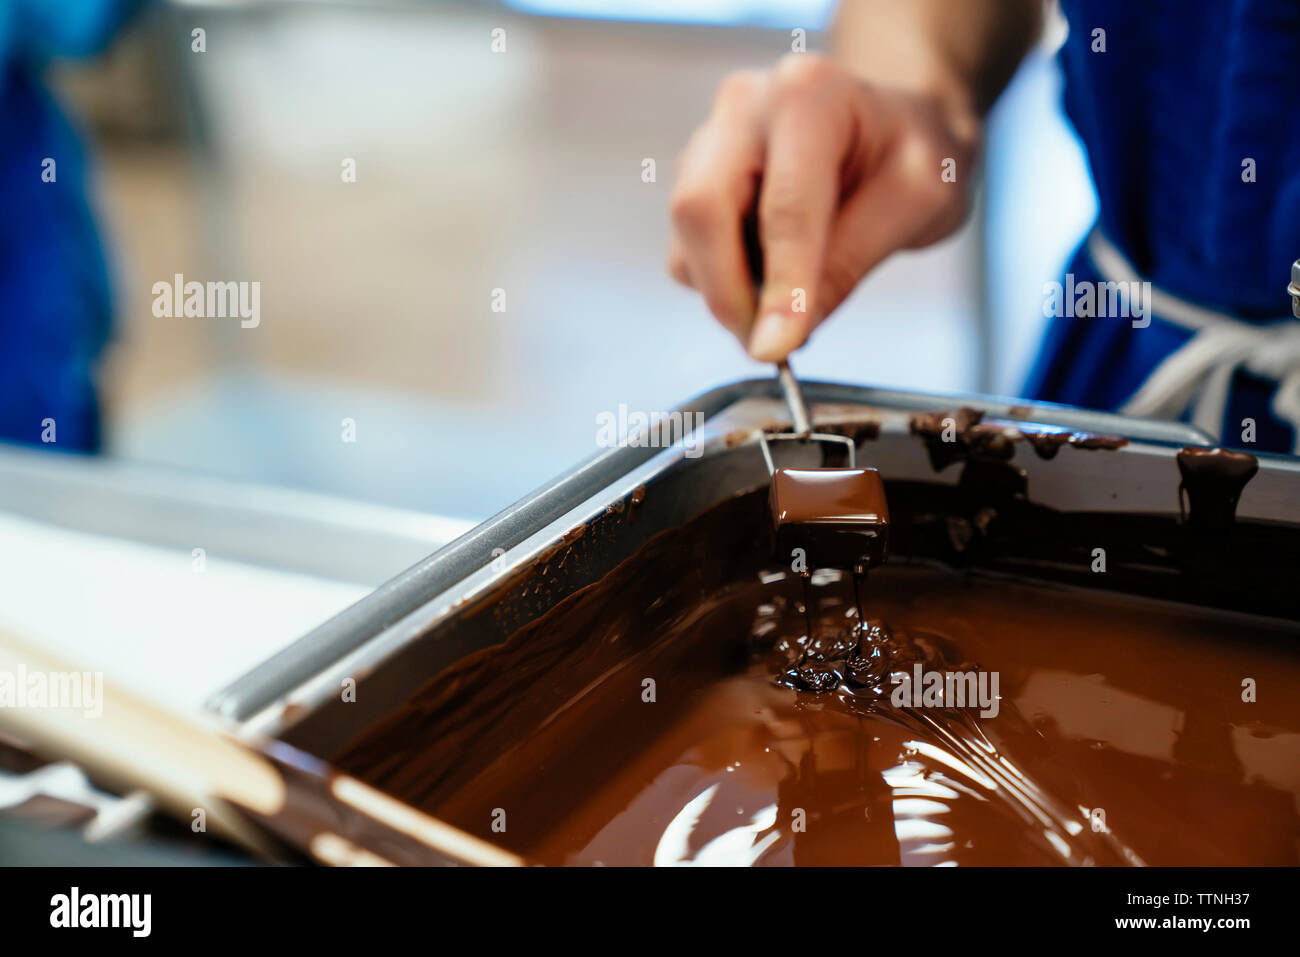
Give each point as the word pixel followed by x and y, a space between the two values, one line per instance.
pixel 476 591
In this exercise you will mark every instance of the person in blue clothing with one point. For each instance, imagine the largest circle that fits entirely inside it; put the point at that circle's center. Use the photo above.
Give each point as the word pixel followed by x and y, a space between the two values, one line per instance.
pixel 1186 109
pixel 54 288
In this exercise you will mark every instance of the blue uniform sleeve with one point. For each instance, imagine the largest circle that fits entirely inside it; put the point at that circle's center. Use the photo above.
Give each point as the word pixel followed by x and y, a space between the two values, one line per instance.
pixel 55 299
pixel 39 29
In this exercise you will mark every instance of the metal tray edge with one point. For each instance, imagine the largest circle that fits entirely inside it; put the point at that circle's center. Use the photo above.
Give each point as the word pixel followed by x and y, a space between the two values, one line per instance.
pixel 408 590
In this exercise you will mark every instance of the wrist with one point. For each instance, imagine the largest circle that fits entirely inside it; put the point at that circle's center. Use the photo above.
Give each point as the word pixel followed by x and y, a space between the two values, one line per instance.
pixel 925 80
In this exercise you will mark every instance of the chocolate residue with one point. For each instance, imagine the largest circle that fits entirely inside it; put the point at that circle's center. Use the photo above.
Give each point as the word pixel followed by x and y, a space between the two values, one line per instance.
pixel 566 540
pixel 957 435
pixel 636 498
pixel 1047 444
pixel 1087 440
pixel 952 436
pixel 964 434
pixel 1212 483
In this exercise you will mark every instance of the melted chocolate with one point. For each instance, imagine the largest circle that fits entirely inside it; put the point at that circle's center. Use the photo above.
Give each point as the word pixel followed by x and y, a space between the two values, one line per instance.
pixel 680 709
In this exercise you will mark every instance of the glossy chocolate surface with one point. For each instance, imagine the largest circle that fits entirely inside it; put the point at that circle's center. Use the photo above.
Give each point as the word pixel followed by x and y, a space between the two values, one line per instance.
pixel 839 517
pixel 678 710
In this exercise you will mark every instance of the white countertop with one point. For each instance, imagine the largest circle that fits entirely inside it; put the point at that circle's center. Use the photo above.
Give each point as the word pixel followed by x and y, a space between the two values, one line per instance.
pixel 142 614
pixel 97 565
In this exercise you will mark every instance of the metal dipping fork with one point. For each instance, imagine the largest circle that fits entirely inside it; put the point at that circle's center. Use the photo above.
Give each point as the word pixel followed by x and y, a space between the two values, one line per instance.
pixel 838 515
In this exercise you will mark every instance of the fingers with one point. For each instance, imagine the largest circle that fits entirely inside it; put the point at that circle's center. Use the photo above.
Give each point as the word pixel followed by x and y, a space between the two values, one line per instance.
pixel 902 205
pixel 849 173
pixel 809 136
pixel 715 186
pixel 873 222
pixel 677 267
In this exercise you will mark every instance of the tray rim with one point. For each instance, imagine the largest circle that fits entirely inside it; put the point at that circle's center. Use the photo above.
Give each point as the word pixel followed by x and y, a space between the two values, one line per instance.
pixel 343 634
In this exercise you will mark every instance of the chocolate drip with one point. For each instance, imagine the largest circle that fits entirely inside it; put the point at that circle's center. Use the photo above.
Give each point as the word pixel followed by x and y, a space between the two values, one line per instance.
pixel 1212 483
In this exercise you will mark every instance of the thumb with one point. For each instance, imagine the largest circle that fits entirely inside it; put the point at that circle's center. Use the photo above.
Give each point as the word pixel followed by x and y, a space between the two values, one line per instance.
pixel 796 208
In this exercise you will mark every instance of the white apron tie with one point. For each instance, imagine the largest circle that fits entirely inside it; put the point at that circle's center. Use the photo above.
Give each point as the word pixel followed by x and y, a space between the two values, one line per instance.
pixel 1201 370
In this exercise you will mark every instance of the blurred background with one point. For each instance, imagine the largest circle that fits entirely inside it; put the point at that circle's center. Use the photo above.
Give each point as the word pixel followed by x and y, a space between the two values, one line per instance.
pixel 475 171
pixel 228 515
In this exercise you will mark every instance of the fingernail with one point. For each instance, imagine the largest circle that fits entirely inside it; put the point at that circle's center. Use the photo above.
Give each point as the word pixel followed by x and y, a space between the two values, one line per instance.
pixel 775 336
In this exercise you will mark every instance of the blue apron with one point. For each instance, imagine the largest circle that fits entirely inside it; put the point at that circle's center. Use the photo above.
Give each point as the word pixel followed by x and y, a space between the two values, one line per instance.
pixel 54 290
pixel 1189 120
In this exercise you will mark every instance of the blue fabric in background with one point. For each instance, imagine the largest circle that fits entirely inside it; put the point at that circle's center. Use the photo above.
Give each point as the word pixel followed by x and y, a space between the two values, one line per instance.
pixel 1185 91
pixel 55 302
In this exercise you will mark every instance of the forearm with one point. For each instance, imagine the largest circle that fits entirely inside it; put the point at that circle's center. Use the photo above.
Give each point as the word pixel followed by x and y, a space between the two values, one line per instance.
pixel 962 52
